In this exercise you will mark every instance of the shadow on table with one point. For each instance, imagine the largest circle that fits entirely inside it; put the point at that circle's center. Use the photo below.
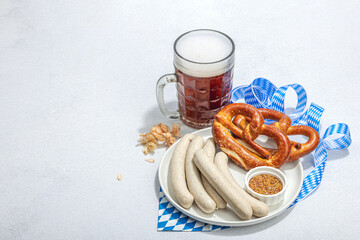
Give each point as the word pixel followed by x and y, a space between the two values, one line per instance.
pixel 157 184
pixel 238 231
pixel 153 116
pixel 336 155
pixel 308 160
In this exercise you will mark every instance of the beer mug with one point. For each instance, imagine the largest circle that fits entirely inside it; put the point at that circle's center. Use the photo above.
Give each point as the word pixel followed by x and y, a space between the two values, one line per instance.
pixel 204 62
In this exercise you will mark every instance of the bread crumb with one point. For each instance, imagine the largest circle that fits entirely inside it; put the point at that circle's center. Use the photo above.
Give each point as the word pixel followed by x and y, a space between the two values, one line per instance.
pixel 119 177
pixel 150 160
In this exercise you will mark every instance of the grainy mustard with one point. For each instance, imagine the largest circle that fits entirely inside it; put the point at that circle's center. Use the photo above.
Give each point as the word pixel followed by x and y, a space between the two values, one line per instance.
pixel 265 184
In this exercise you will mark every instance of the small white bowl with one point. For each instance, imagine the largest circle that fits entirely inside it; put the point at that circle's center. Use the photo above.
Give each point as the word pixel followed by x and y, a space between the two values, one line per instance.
pixel 273 199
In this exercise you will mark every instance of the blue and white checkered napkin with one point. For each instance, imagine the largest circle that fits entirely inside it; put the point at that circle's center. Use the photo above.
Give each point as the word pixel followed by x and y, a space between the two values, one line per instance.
pixel 262 93
pixel 171 219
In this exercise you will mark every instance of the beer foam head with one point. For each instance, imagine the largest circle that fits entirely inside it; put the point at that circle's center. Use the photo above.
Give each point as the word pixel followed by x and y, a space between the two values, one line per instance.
pixel 204 53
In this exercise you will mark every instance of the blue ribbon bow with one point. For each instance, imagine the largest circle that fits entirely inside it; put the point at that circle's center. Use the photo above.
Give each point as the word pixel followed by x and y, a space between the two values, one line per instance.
pixel 262 93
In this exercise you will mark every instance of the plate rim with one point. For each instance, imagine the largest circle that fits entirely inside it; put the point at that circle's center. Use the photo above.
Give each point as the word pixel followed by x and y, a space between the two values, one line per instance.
pixel 238 223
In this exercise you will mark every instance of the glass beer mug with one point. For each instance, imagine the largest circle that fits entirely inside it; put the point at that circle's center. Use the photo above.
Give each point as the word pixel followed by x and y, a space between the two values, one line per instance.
pixel 203 61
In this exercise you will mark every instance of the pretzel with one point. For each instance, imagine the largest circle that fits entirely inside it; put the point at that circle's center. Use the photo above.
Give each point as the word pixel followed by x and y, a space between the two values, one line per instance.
pixel 283 122
pixel 298 150
pixel 225 131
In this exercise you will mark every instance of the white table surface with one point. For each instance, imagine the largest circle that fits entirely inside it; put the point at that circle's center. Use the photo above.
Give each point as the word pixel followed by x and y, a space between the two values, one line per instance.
pixel 77 87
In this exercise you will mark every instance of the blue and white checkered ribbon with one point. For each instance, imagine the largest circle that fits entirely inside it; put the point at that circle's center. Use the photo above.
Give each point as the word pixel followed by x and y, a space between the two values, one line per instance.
pixel 261 93
pixel 313 179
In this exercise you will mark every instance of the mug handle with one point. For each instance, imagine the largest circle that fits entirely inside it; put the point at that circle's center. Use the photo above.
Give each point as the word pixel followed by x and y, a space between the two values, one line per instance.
pixel 161 83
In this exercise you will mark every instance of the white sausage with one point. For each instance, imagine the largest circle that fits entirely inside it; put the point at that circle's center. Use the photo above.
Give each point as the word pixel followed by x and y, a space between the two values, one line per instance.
pixel 210 150
pixel 177 172
pixel 227 191
pixel 259 208
pixel 202 198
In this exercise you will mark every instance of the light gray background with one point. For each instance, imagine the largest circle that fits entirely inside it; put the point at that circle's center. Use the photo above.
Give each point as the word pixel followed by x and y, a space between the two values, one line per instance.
pixel 77 87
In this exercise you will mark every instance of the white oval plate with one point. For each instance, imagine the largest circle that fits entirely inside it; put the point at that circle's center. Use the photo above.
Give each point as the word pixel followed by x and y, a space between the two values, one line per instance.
pixel 226 217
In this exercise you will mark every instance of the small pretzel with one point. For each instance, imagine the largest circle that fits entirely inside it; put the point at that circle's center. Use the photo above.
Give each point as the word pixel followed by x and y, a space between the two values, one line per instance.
pixel 283 123
pixel 223 128
pixel 298 150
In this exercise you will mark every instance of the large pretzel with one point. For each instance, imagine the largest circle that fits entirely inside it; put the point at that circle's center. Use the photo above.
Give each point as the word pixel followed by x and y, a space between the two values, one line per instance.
pixel 225 131
pixel 283 122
